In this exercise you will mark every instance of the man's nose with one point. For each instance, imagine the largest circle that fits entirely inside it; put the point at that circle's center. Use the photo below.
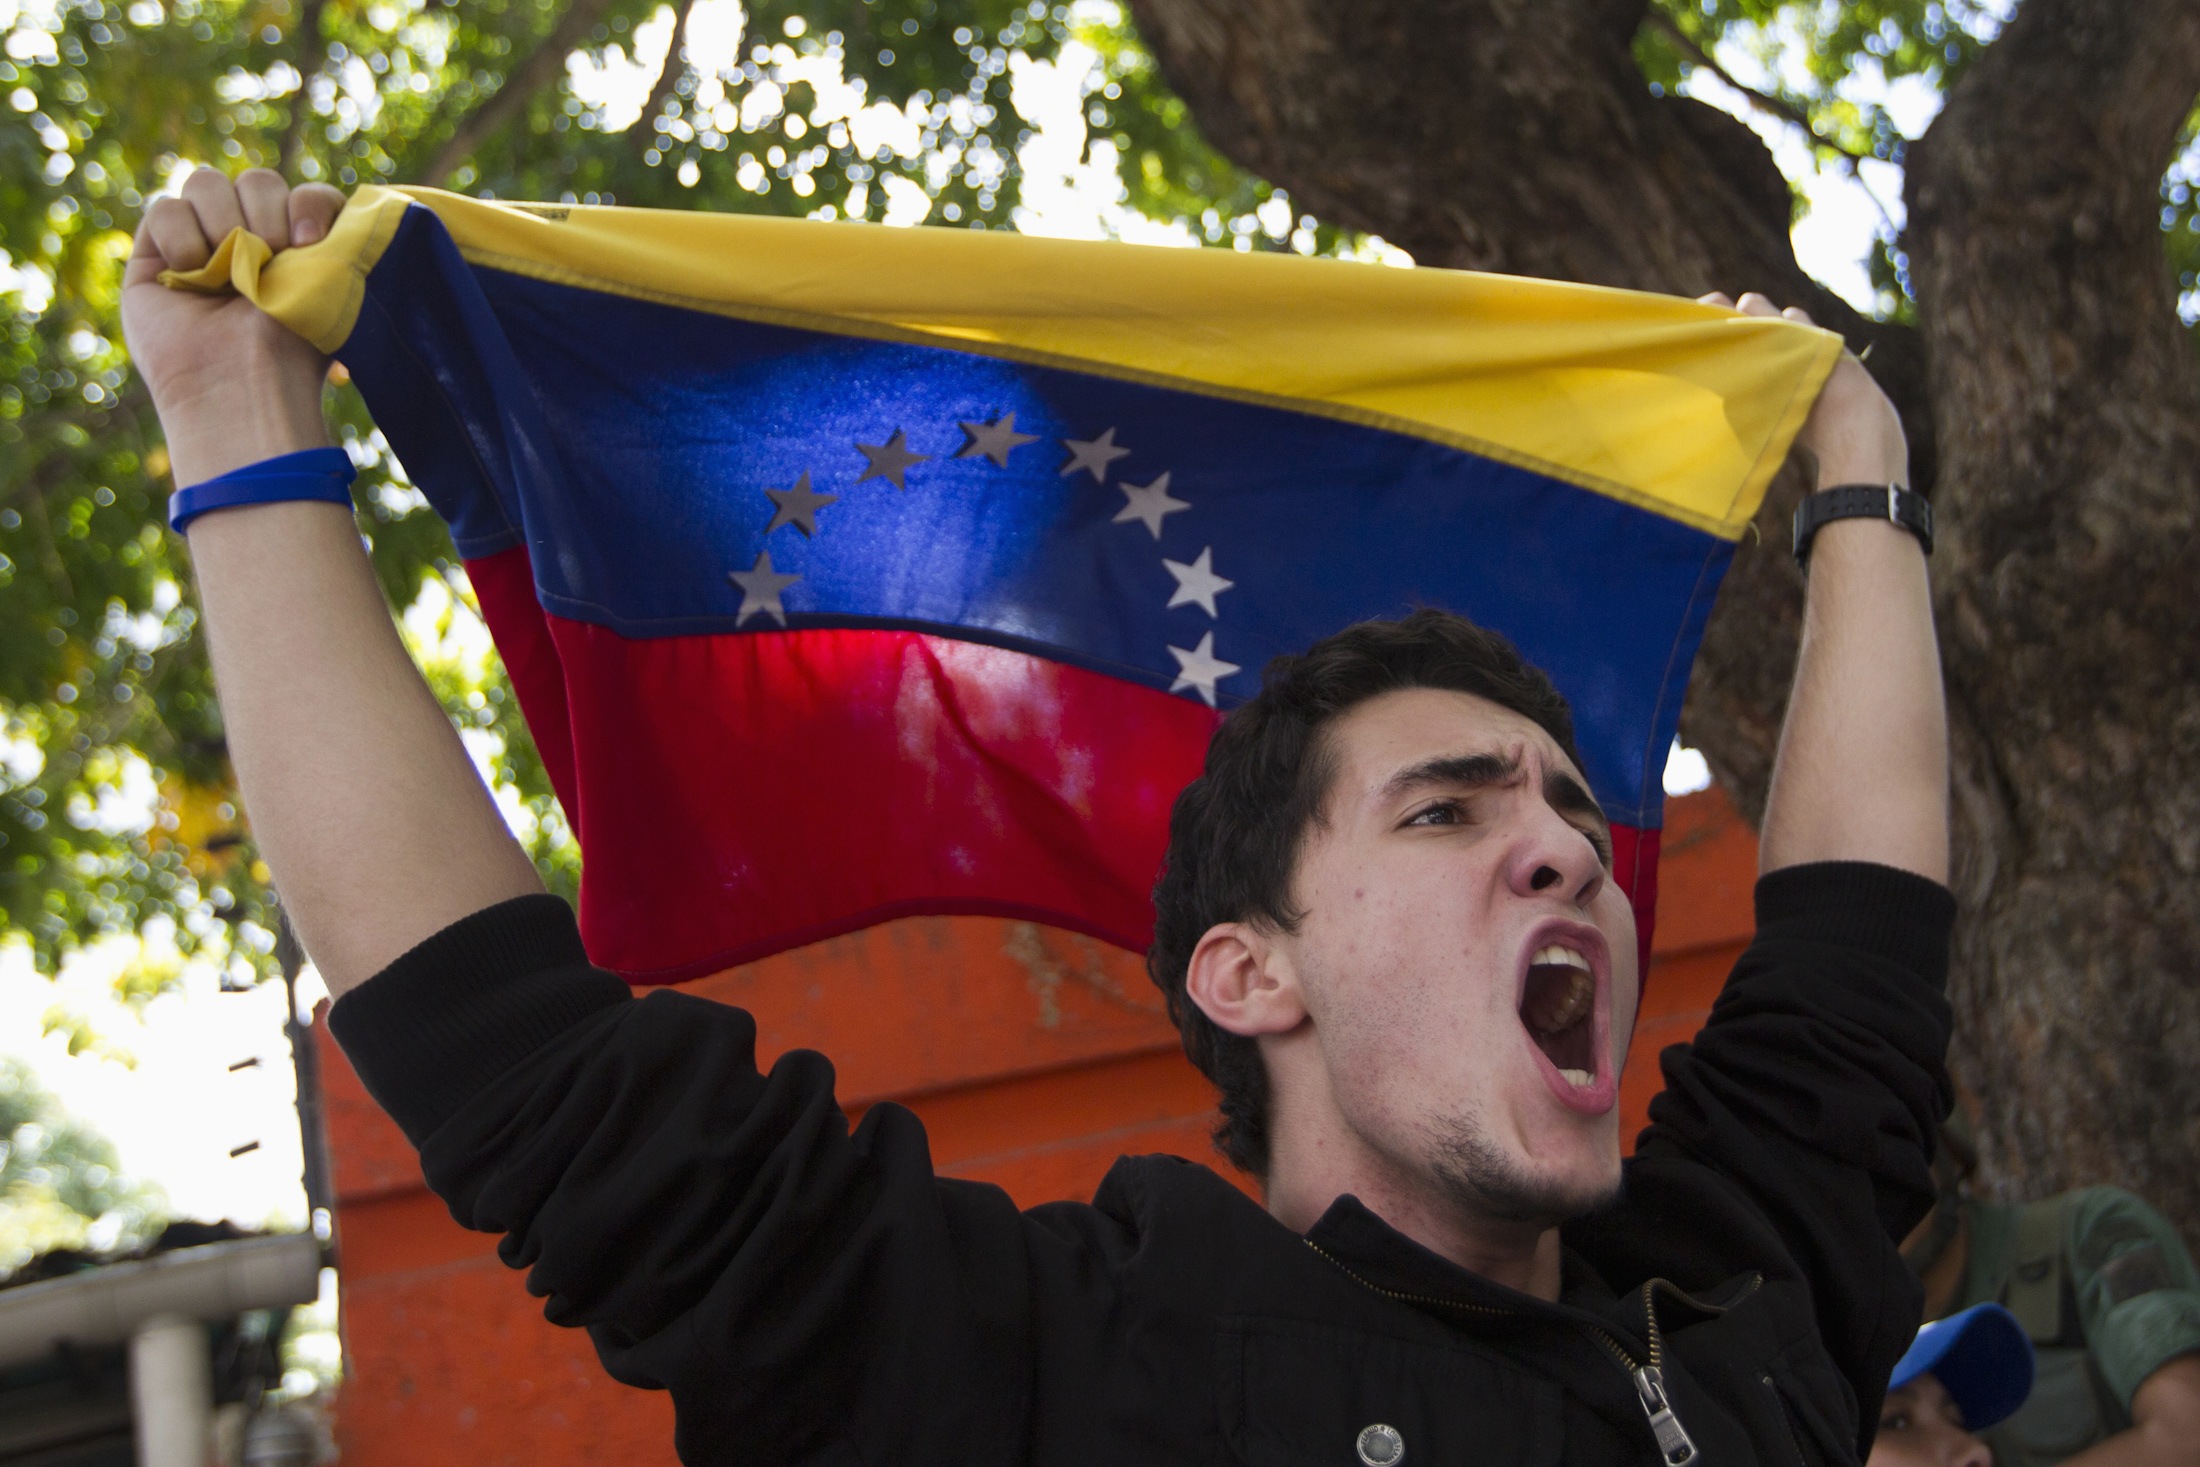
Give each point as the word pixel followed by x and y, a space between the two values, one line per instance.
pixel 1552 857
pixel 1967 1450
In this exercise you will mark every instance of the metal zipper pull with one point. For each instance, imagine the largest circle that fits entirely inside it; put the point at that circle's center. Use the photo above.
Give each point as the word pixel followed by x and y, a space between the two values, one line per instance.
pixel 1673 1443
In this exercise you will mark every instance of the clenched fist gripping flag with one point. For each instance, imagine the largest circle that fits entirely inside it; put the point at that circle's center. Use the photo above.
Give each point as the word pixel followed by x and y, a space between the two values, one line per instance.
pixel 846 573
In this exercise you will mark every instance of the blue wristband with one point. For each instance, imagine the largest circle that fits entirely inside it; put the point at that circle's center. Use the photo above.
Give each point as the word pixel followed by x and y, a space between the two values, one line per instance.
pixel 317 473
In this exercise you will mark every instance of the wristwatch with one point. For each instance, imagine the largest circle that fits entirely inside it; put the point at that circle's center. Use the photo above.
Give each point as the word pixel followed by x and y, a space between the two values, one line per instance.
pixel 1890 502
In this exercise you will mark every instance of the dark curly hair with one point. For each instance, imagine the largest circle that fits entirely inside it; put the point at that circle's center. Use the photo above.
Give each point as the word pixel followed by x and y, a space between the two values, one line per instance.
pixel 1235 833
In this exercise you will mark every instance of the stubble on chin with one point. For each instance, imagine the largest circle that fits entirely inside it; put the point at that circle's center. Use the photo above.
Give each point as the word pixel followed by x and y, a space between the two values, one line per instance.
pixel 1482 1177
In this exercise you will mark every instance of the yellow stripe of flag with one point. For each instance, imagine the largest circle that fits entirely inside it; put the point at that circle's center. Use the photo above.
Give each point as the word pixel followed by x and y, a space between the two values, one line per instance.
pixel 1682 409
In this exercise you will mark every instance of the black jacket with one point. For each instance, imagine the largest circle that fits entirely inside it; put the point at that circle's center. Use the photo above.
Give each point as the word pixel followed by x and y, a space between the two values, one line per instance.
pixel 814 1296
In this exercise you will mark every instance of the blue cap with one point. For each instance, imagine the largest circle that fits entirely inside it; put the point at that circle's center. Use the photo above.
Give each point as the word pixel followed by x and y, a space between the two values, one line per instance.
pixel 1982 1359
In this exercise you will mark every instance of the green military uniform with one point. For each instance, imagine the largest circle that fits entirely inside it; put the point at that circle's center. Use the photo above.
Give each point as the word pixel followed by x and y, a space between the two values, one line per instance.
pixel 2105 1288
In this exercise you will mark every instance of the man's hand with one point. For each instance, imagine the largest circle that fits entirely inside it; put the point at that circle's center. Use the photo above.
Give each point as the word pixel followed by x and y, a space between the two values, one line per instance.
pixel 232 385
pixel 1862 773
pixel 1853 435
pixel 2165 1429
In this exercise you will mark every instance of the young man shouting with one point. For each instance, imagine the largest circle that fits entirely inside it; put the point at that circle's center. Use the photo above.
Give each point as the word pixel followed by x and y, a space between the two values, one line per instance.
pixel 1387 929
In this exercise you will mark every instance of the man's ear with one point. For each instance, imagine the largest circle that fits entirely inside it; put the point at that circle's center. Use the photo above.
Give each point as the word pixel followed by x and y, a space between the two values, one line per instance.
pixel 1244 981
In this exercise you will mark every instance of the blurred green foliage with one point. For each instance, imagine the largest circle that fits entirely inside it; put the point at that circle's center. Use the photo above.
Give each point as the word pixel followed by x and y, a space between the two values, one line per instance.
pixel 1828 64
pixel 60 1183
pixel 116 802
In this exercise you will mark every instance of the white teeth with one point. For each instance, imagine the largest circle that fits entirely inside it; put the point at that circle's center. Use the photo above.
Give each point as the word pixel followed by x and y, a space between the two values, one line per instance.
pixel 1579 1079
pixel 1564 956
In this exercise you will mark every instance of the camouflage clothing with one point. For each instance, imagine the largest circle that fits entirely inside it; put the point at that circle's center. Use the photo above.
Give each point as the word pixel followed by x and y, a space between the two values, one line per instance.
pixel 2103 1285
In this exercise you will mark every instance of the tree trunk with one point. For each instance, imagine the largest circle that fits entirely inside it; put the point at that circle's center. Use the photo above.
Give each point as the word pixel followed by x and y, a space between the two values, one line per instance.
pixel 2058 413
pixel 2068 398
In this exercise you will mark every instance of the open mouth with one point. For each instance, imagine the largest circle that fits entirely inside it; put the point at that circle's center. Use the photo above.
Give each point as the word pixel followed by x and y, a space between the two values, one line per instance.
pixel 1558 1008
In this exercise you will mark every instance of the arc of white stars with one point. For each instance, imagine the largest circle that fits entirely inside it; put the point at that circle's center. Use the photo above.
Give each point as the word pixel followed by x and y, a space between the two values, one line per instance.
pixel 890 460
pixel 798 506
pixel 1093 455
pixel 760 587
pixel 1200 669
pixel 1149 504
pixel 1197 583
pixel 995 440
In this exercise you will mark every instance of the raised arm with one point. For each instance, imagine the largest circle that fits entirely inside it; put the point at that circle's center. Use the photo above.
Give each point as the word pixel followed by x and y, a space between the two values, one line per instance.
pixel 1862 772
pixel 364 802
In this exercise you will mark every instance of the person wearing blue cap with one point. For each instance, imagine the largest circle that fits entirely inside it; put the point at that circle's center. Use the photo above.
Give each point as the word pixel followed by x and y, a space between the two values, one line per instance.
pixel 2106 1290
pixel 1961 1375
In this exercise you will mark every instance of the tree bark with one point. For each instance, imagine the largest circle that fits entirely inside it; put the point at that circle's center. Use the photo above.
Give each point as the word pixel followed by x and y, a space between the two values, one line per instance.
pixel 2068 397
pixel 2050 398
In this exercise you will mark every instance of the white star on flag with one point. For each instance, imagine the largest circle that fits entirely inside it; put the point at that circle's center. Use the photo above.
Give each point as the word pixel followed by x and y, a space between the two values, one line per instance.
pixel 890 460
pixel 798 506
pixel 1149 505
pixel 995 440
pixel 1197 582
pixel 1093 454
pixel 1200 668
pixel 760 587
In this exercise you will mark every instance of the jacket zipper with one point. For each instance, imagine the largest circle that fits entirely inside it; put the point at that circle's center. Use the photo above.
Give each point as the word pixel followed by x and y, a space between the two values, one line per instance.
pixel 1674 1443
pixel 1787 1416
pixel 1453 1304
pixel 1675 1446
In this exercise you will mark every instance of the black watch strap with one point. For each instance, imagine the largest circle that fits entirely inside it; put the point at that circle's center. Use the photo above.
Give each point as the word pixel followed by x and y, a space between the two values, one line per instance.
pixel 1890 502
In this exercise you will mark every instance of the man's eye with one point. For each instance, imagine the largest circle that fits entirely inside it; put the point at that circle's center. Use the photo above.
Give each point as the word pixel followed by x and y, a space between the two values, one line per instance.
pixel 1895 1421
pixel 1444 812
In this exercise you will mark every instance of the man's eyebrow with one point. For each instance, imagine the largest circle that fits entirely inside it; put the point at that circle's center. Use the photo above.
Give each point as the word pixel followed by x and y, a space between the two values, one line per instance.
pixel 1567 795
pixel 1458 771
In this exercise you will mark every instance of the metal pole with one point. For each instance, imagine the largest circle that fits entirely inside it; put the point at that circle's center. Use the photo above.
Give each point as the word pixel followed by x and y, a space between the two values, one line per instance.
pixel 305 1059
pixel 172 1392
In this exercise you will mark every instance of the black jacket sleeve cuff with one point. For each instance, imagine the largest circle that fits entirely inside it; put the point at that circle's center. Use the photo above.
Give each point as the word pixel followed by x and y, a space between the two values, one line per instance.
pixel 436 1027
pixel 1863 907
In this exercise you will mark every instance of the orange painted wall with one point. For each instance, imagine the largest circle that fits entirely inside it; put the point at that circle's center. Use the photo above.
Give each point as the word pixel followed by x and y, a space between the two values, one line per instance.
pixel 1034 1058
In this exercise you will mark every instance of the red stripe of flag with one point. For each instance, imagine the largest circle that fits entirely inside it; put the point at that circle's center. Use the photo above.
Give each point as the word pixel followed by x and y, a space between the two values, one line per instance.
pixel 741 794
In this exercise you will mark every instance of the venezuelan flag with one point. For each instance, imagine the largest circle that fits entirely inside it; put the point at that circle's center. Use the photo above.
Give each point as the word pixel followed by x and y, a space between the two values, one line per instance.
pixel 847 573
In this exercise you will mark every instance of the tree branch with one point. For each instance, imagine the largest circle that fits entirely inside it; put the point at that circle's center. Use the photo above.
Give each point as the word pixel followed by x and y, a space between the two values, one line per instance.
pixel 312 56
pixel 1763 101
pixel 643 136
pixel 540 68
